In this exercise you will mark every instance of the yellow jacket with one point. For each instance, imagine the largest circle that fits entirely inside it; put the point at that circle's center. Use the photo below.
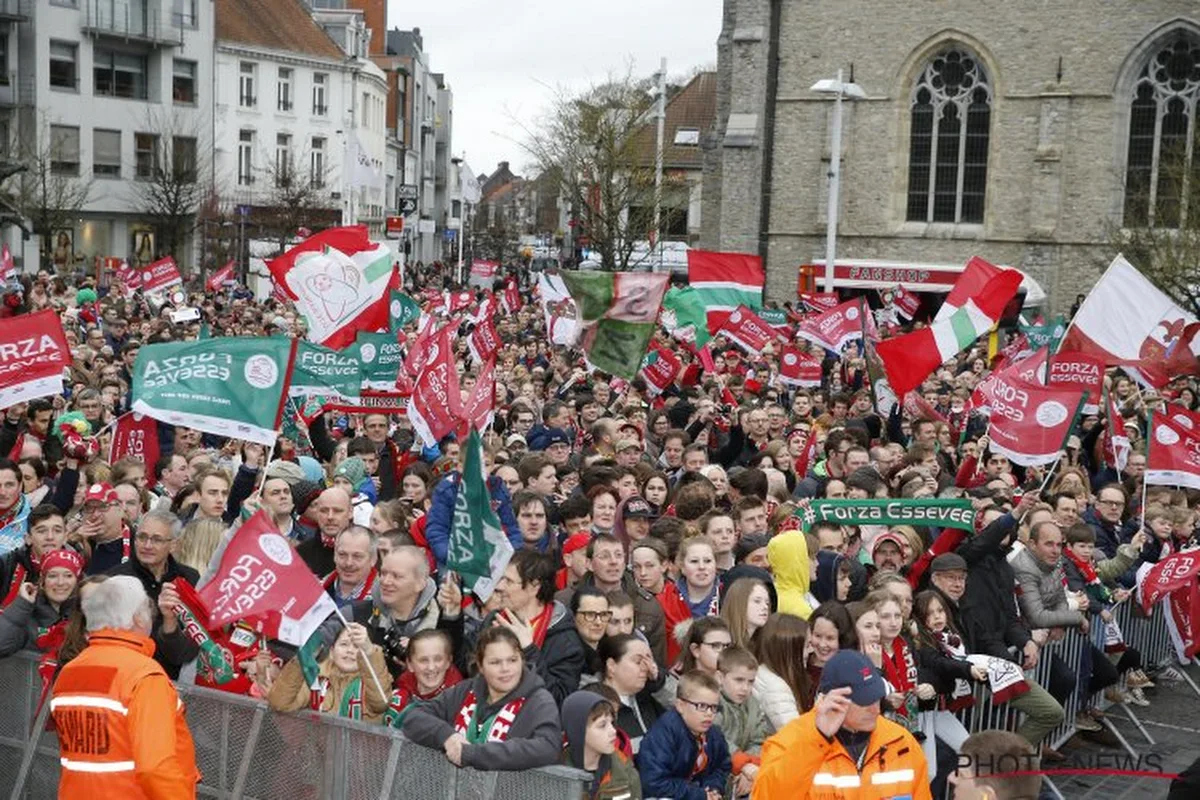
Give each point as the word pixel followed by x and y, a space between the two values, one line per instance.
pixel 787 553
pixel 799 763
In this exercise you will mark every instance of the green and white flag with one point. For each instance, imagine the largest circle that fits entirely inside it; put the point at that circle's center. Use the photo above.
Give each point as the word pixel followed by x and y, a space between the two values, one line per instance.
pixel 942 513
pixel 379 358
pixel 617 313
pixel 684 313
pixel 478 549
pixel 402 310
pixel 1047 335
pixel 232 386
pixel 320 371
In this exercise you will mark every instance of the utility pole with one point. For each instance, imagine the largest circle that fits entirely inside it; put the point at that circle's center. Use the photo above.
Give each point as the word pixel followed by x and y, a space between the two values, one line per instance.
pixel 661 113
pixel 835 176
pixel 462 213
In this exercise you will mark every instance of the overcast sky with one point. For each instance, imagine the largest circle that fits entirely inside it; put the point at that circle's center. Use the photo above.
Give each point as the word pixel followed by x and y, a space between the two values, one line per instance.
pixel 503 59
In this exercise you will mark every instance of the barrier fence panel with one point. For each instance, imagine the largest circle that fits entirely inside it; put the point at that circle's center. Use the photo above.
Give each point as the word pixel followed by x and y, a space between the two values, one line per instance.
pixel 245 750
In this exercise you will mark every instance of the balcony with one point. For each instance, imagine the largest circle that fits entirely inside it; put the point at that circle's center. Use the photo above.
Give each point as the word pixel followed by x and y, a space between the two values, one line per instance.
pixel 11 11
pixel 133 20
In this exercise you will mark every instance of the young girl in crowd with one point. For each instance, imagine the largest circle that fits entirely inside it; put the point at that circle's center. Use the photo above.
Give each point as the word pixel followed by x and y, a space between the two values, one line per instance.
pixel 430 671
pixel 745 609
pixel 829 629
pixel 694 594
pixel 344 687
pixel 783 687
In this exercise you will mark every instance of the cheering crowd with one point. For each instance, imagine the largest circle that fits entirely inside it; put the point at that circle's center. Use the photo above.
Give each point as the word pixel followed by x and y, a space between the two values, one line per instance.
pixel 673 619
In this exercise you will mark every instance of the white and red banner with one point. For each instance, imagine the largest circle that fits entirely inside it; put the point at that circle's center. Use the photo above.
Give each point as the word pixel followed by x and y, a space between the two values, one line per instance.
pixel 341 283
pixel 1174 441
pixel 835 328
pixel 511 299
pixel 1127 321
pixel 484 270
pixel 1079 371
pixel 33 355
pixel 820 301
pixel 479 408
pixel 906 302
pixel 7 270
pixel 748 330
pixel 218 279
pixel 436 403
pixel 660 369
pixel 414 357
pixel 484 341
pixel 1175 580
pixel 1117 446
pixel 261 577
pixel 135 436
pixel 161 276
pixel 1030 423
pixel 797 368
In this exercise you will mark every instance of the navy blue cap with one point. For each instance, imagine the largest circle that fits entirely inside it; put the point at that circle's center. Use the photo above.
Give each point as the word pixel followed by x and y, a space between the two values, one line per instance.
pixel 850 668
pixel 556 436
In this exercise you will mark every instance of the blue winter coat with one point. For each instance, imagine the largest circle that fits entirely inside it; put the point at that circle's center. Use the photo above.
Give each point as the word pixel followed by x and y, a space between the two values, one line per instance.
pixel 668 755
pixel 441 514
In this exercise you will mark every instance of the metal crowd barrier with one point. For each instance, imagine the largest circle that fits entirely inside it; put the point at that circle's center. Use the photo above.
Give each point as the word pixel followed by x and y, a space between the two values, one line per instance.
pixel 245 751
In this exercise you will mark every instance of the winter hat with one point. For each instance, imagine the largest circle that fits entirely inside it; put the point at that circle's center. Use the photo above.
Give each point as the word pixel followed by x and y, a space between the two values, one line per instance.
pixel 62 558
pixel 313 471
pixel 286 471
pixel 352 469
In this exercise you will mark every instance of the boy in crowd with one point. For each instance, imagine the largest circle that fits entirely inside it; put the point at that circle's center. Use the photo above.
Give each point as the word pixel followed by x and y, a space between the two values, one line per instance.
pixel 741 720
pixel 590 732
pixel 683 755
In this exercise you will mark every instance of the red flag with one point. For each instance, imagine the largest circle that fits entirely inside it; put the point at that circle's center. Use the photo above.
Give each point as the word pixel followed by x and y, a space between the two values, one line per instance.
pixel 974 279
pixel 660 370
pixel 809 456
pixel 512 296
pixel 1183 357
pixel 747 330
pixel 1116 443
pixel 834 328
pixel 135 436
pixel 217 280
pixel 480 406
pixel 1168 575
pixel 260 575
pixel 414 358
pixel 1030 423
pixel 484 270
pixel 797 368
pixel 457 301
pixel 436 404
pixel 820 301
pixel 484 341
pixel 33 354
pixel 1174 457
pixel 906 302
pixel 1079 371
pixel 917 407
pixel 161 275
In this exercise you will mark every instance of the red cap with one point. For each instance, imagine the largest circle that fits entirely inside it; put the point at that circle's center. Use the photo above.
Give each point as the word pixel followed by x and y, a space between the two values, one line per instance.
pixel 101 493
pixel 62 558
pixel 576 541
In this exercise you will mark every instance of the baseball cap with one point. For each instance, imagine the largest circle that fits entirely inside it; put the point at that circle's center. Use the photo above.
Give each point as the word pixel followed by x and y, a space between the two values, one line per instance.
pixel 747 545
pixel 948 562
pixel 626 444
pixel 892 537
pixel 636 508
pixel 852 669
pixel 513 439
pixel 576 541
pixel 101 493
pixel 557 436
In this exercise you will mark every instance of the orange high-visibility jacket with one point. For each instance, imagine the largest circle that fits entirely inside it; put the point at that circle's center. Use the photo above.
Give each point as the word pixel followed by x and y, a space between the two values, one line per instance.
pixel 122 734
pixel 799 763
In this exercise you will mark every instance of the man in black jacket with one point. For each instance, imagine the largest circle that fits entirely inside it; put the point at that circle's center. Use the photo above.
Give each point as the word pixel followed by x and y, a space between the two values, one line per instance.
pixel 157 569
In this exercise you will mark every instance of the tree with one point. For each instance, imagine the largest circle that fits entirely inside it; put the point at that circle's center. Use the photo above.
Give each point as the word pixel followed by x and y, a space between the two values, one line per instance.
pixel 596 139
pixel 1160 234
pixel 297 196
pixel 173 179
pixel 52 191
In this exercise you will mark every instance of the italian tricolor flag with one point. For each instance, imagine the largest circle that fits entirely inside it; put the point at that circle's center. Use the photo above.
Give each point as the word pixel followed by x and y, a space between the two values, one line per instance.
pixel 725 281
pixel 910 359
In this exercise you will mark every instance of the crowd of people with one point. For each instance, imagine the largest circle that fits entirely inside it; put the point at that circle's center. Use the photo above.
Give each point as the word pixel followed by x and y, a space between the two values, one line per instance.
pixel 667 622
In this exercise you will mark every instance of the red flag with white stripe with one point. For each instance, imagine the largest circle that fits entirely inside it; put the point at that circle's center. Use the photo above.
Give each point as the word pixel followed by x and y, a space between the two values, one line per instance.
pixel 835 328
pixel 1174 441
pixel 797 368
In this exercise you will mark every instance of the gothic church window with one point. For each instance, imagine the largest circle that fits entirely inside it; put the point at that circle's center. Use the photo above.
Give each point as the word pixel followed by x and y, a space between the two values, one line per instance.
pixel 948 151
pixel 1162 174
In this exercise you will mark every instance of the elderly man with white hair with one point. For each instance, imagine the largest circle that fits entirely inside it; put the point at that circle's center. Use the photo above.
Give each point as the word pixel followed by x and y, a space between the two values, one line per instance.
pixel 121 727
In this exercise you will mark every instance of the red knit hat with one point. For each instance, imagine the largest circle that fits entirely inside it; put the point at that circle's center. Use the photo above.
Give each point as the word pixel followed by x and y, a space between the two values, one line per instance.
pixel 62 558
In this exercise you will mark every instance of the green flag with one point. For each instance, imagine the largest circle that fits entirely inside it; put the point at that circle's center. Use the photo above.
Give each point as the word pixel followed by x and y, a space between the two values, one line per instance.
pixel 1047 335
pixel 478 549
pixel 617 312
pixel 310 668
pixel 379 358
pixel 402 310
pixel 232 386
pixel 321 371
pixel 688 308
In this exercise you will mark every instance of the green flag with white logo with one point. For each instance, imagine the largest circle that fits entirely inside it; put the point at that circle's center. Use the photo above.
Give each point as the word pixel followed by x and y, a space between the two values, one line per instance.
pixel 478 549
pixel 232 386
pixel 1047 335
pixel 402 310
pixel 690 317
pixel 321 371
pixel 379 359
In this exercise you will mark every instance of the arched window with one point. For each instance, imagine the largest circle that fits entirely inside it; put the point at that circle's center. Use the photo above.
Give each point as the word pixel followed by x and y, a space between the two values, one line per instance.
pixel 951 116
pixel 1161 179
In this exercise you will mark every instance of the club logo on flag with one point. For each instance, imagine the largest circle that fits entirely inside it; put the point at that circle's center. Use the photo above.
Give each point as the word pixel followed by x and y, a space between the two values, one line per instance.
pixel 261 372
pixel 367 352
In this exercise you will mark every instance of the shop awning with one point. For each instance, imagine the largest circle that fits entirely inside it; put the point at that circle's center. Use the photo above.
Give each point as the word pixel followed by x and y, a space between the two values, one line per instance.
pixel 914 276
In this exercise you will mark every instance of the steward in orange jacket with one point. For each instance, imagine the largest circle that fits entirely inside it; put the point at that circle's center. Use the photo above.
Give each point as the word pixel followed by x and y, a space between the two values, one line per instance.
pixel 802 762
pixel 121 729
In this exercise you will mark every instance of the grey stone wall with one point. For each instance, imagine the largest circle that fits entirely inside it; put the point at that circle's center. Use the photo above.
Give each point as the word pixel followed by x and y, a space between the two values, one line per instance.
pixel 1057 142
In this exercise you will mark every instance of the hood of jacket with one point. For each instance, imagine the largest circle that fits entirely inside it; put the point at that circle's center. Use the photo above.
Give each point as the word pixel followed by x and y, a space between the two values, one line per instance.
pixel 828 563
pixel 575 711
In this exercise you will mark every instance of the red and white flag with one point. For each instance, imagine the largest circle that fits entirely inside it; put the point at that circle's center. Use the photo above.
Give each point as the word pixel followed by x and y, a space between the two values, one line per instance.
pixel 7 270
pixel 1030 423
pixel 748 330
pixel 457 301
pixel 261 577
pixel 33 355
pixel 797 368
pixel 725 282
pixel 1116 445
pixel 414 357
pixel 1166 576
pixel 660 369
pixel 511 299
pixel 808 456
pixel 906 303
pixel 484 341
pixel 161 276
pixel 835 328
pixel 1127 321
pixel 820 301
pixel 1174 457
pixel 218 279
pixel 436 404
pixel 479 409
pixel 911 358
pixel 484 271
pixel 341 283
pixel 135 436
pixel 1079 371
pixel 974 278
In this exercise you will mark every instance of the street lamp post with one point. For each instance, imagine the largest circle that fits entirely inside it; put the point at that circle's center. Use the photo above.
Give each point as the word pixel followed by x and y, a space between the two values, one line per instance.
pixel 838 89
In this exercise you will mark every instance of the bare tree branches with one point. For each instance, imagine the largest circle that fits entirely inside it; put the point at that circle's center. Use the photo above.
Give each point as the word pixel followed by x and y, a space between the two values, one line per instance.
pixel 297 196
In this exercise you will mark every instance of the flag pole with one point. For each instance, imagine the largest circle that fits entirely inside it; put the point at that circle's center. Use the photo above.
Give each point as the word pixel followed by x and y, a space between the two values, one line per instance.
pixel 374 677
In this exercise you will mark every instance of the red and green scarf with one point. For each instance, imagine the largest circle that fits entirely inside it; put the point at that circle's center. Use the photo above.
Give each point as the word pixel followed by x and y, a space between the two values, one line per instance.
pixel 494 729
pixel 408 695
pixel 350 704
pixel 900 670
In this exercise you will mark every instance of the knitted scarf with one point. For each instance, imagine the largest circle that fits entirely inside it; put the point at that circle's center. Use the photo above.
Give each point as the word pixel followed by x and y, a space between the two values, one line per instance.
pixel 900 670
pixel 349 705
pixel 479 731
pixel 952 645
pixel 48 641
pixel 408 695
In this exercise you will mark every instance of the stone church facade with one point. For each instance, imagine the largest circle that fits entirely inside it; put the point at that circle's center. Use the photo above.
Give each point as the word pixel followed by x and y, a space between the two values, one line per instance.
pixel 1022 132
